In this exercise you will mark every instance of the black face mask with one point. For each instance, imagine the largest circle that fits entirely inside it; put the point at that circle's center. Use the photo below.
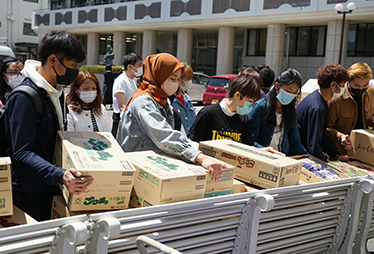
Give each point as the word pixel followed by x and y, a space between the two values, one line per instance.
pixel 357 92
pixel 69 77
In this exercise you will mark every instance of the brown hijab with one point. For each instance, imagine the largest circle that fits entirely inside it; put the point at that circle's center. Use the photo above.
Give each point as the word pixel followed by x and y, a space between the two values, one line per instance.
pixel 156 69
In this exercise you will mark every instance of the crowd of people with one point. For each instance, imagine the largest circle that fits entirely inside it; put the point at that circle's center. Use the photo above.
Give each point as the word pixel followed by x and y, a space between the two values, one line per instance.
pixel 260 110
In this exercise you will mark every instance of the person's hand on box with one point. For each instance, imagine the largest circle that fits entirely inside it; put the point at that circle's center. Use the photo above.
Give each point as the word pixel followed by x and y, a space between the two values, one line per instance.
pixel 75 183
pixel 345 158
pixel 345 140
pixel 214 167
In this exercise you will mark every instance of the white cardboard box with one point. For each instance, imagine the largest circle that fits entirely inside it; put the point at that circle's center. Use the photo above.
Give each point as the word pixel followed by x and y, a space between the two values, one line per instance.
pixel 5 174
pixel 253 165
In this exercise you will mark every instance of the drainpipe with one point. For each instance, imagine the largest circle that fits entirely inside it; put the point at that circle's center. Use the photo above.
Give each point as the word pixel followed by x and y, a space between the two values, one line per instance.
pixel 288 47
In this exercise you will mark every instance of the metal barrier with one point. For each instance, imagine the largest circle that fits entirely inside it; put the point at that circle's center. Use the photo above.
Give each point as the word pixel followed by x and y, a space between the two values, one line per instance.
pixel 56 236
pixel 212 225
pixel 327 217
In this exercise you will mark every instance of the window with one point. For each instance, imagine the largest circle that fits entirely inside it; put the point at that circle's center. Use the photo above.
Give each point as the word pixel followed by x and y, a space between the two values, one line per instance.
pixel 27 29
pixel 256 42
pixel 360 38
pixel 306 41
pixel 105 40
pixel 57 4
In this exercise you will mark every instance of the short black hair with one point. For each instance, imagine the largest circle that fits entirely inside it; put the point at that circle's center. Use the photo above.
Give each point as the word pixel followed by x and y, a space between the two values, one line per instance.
pixel 246 86
pixel 267 76
pixel 63 44
pixel 108 67
pixel 131 58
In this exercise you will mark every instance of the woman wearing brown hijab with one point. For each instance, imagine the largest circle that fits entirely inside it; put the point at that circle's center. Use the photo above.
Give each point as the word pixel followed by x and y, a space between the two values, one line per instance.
pixel 148 123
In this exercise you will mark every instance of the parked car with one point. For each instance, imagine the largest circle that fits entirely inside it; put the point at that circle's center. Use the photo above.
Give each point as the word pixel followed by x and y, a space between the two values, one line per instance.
pixel 217 88
pixel 199 82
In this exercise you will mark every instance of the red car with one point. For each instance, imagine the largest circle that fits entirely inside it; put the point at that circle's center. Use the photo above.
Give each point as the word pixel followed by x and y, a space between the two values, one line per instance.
pixel 217 88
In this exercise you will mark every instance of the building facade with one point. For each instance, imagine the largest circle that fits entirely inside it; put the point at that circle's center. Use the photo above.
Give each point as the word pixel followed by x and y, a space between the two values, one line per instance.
pixel 16 26
pixel 217 36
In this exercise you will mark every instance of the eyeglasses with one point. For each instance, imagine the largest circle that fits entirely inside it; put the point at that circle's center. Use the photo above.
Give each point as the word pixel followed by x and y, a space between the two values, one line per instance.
pixel 13 73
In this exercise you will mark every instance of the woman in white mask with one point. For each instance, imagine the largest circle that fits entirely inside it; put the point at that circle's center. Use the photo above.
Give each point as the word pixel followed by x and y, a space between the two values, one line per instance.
pixel 11 77
pixel 86 111
pixel 182 102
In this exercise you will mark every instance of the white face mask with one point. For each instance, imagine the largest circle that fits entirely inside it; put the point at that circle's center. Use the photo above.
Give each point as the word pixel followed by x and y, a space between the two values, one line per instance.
pixel 138 72
pixel 14 81
pixel 87 97
pixel 337 95
pixel 169 87
pixel 187 85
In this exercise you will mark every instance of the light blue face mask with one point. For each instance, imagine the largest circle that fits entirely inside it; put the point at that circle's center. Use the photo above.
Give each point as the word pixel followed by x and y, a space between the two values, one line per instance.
pixel 248 106
pixel 285 98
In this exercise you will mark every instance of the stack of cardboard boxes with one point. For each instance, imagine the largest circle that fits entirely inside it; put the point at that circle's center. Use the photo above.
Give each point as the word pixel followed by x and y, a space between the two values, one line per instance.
pixel 163 179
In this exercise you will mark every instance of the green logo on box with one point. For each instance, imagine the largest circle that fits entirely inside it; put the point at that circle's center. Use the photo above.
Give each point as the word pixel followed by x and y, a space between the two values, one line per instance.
pixel 154 180
pixel 163 161
pixel 93 201
pixel 98 146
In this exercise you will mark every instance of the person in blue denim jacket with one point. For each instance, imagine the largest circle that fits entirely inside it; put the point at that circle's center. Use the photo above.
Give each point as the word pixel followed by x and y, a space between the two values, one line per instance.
pixel 182 102
pixel 273 118
pixel 35 180
pixel 148 122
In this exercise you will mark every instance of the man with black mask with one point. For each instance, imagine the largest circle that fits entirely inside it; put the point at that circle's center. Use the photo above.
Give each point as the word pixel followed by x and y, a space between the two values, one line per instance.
pixel 35 180
pixel 354 109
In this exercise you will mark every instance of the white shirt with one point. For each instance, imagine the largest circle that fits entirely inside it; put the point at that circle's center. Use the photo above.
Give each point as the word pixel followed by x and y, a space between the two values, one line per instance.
pixel 125 85
pixel 277 135
pixel 83 122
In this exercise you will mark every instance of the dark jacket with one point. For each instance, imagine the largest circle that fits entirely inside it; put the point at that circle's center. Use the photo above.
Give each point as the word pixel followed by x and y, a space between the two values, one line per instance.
pixel 32 142
pixel 262 134
pixel 312 120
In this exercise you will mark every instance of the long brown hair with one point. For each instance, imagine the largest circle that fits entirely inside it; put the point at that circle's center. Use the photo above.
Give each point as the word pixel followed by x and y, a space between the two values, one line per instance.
pixel 73 98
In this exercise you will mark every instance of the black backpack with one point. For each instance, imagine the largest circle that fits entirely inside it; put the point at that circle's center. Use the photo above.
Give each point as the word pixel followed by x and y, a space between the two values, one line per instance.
pixel 38 105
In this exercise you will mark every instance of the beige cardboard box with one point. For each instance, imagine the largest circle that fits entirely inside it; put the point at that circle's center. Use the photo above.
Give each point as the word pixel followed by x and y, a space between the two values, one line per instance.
pixel 6 203
pixel 238 186
pixel 254 165
pixel 162 179
pixel 19 217
pixel 226 181
pixel 5 173
pixel 96 154
pixel 96 200
pixel 219 192
pixel 60 209
pixel 363 145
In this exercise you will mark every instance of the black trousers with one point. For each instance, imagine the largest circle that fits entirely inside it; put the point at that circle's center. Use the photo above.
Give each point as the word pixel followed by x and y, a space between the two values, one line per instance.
pixel 116 117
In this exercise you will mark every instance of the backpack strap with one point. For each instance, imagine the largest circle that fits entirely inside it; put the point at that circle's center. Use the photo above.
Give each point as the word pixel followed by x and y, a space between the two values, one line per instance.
pixel 33 94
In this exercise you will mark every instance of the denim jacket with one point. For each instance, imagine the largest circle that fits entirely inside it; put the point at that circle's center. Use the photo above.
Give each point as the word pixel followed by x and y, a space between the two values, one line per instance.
pixel 147 125
pixel 32 142
pixel 262 134
pixel 186 111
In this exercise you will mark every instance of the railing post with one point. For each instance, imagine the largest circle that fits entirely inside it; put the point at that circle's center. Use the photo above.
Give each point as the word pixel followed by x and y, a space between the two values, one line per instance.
pixel 100 233
pixel 67 237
